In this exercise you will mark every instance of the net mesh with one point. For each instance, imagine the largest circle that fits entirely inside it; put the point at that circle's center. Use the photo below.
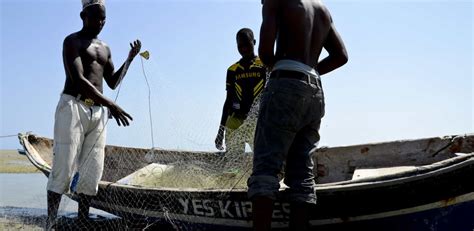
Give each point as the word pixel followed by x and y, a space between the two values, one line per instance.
pixel 173 189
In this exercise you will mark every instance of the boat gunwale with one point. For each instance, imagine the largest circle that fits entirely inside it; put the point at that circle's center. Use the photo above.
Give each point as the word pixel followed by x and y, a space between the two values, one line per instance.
pixel 357 184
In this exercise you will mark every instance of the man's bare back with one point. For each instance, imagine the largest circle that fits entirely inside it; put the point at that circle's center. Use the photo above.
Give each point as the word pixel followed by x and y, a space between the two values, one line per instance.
pixel 292 105
pixel 301 29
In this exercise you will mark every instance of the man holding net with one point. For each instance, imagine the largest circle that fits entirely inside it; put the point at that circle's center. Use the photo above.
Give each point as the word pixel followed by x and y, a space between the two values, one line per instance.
pixel 292 105
pixel 81 114
pixel 244 83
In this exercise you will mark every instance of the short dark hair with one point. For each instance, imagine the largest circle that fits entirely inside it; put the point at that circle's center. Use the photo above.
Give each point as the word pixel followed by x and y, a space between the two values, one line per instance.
pixel 245 32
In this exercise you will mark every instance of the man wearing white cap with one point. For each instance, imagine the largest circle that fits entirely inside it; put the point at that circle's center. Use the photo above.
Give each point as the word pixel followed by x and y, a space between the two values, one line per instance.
pixel 82 112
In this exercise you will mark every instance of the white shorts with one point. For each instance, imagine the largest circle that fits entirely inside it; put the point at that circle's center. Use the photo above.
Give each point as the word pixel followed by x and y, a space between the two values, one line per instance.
pixel 79 142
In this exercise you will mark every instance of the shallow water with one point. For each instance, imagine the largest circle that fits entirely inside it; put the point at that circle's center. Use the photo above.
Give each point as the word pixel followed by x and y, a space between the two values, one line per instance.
pixel 28 191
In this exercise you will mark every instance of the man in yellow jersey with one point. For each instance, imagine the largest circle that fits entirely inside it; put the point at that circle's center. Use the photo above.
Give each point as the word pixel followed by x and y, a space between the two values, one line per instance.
pixel 245 81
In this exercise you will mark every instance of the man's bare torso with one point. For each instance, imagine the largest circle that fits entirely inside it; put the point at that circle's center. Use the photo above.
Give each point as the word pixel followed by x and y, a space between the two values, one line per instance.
pixel 94 55
pixel 302 30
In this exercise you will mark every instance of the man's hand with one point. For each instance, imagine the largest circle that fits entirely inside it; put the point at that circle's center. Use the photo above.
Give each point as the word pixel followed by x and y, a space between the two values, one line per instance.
pixel 220 138
pixel 120 115
pixel 134 49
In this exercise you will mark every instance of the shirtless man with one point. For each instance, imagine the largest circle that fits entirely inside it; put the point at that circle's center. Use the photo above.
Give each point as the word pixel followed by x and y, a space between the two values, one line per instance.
pixel 81 114
pixel 292 105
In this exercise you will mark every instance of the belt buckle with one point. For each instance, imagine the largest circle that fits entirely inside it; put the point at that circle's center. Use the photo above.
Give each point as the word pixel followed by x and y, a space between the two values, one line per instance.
pixel 89 102
pixel 309 78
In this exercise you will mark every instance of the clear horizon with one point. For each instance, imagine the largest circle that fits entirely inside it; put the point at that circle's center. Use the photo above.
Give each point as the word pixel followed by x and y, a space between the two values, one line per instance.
pixel 409 75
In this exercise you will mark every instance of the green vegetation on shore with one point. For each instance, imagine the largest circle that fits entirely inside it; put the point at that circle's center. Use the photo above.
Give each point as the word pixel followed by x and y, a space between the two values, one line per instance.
pixel 12 162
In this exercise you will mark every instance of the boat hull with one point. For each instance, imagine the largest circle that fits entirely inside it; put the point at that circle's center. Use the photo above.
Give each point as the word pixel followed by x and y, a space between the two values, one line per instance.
pixel 438 196
pixel 435 200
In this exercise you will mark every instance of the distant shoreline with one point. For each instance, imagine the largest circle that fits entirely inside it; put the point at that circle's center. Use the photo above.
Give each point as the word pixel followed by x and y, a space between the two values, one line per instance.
pixel 12 162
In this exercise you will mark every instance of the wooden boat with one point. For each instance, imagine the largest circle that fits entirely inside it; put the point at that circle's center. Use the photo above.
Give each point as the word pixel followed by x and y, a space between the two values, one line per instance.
pixel 422 184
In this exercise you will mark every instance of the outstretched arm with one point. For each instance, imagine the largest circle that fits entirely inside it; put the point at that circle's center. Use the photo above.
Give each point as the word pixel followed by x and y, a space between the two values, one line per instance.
pixel 114 79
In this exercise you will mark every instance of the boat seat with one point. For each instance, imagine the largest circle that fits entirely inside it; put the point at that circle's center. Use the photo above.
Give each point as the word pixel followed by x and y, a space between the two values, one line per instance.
pixel 361 173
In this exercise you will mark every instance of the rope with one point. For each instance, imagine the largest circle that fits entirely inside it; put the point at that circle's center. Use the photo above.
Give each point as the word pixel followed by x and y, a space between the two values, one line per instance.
pixel 149 106
pixel 6 136
pixel 453 139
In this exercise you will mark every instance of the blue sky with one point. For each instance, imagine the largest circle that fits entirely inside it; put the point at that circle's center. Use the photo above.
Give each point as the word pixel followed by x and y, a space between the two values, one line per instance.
pixel 410 70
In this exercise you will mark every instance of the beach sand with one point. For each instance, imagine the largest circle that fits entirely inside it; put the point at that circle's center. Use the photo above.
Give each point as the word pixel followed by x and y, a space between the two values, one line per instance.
pixel 12 162
pixel 13 218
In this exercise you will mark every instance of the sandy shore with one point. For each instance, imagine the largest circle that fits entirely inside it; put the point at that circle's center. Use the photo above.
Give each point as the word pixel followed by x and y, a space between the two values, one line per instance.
pixel 12 162
pixel 15 224
pixel 11 218
pixel 14 218
pixel 22 218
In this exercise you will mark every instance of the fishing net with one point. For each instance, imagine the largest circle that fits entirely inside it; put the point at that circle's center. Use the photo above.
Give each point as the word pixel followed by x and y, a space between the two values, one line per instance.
pixel 174 189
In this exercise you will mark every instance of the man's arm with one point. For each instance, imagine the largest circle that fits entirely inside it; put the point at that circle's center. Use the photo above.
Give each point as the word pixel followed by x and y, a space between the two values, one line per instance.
pixel 268 32
pixel 336 50
pixel 225 109
pixel 114 79
pixel 75 71
pixel 228 99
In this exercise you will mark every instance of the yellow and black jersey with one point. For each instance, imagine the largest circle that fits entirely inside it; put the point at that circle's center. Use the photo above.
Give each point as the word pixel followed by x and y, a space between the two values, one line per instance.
pixel 244 83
